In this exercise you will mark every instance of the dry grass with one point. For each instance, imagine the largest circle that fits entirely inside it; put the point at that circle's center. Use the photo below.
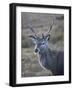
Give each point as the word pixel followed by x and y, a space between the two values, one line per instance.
pixel 41 23
pixel 30 64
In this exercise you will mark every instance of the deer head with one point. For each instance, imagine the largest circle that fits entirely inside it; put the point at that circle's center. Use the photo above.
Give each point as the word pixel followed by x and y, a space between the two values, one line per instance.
pixel 41 43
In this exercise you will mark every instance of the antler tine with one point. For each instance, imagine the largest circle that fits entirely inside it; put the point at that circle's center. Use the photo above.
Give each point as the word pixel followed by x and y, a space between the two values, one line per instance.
pixel 32 30
pixel 50 29
pixel 51 26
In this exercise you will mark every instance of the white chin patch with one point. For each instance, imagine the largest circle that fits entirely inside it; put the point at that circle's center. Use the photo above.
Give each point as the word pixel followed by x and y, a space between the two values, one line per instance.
pixel 35 53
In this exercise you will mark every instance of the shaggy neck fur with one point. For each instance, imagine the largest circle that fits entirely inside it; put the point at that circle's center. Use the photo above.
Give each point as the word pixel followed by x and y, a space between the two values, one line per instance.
pixel 53 61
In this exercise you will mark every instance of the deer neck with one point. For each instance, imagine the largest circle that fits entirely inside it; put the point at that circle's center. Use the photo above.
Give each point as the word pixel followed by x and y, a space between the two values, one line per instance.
pixel 44 58
pixel 47 60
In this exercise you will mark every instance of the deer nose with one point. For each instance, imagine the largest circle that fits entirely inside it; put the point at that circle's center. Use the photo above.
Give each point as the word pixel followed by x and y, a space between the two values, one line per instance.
pixel 36 50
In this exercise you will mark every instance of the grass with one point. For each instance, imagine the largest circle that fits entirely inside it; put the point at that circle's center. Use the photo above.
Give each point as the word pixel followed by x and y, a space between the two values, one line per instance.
pixel 41 24
pixel 30 64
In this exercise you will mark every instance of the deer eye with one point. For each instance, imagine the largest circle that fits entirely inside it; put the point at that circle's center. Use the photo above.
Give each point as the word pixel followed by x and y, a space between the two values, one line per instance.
pixel 43 43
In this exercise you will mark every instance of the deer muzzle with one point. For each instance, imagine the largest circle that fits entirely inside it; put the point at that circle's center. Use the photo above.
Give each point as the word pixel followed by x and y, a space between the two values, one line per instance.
pixel 36 50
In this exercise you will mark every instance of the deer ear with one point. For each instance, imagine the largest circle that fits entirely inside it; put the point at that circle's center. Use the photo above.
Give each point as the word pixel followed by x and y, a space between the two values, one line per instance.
pixel 33 38
pixel 48 37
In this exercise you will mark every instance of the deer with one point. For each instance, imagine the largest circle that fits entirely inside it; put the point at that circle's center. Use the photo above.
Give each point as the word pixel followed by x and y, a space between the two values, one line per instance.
pixel 48 59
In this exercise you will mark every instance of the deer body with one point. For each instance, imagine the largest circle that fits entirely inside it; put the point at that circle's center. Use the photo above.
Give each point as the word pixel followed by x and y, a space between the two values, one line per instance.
pixel 53 60
pixel 49 59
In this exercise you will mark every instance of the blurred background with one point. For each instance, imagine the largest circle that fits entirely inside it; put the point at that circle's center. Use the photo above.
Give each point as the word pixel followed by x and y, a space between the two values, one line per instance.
pixel 40 23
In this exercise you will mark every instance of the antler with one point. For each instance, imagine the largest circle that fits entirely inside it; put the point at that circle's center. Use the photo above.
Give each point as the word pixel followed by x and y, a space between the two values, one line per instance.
pixel 51 26
pixel 31 28
pixel 29 20
pixel 48 35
